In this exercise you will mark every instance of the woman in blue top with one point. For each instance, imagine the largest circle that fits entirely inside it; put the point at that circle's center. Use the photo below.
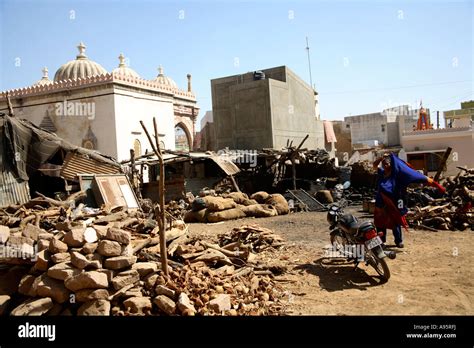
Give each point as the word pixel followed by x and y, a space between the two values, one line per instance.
pixel 392 181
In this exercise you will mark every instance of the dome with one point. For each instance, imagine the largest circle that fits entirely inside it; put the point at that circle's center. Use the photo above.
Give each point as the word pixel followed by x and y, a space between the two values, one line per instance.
pixel 165 80
pixel 80 68
pixel 123 69
pixel 45 79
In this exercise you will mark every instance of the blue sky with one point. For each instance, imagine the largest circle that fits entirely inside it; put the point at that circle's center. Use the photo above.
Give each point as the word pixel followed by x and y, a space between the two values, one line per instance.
pixel 365 55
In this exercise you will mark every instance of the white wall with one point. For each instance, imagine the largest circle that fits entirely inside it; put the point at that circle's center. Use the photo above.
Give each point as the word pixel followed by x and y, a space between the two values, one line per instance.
pixel 130 109
pixel 74 128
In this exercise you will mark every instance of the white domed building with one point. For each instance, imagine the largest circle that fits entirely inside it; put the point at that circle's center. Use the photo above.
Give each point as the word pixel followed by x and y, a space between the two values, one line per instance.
pixel 94 108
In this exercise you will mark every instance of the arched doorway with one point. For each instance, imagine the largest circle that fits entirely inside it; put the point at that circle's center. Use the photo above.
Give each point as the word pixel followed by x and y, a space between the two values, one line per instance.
pixel 181 138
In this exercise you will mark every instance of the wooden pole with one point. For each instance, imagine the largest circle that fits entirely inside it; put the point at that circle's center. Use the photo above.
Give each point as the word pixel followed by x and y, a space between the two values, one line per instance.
pixel 161 219
pixel 442 164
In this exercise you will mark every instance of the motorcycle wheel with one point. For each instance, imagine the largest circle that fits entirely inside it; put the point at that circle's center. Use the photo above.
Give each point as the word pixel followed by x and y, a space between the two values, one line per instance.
pixel 380 266
pixel 339 241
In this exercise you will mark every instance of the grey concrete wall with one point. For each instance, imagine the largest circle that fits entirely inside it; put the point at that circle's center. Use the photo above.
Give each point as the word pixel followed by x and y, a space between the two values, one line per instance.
pixel 293 113
pixel 266 113
pixel 368 127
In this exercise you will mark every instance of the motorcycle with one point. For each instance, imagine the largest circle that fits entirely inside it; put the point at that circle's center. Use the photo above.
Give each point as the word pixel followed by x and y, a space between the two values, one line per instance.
pixel 357 241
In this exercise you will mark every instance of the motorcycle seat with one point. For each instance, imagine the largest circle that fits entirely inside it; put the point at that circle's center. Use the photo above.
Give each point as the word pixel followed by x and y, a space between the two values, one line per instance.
pixel 351 222
pixel 366 226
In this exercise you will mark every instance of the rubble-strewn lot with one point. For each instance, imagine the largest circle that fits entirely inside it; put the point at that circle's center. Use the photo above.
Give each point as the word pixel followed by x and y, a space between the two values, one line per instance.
pixel 107 262
pixel 432 275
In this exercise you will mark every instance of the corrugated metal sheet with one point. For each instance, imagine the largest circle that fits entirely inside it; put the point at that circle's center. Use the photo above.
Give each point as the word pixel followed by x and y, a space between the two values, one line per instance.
pixel 76 163
pixel 12 189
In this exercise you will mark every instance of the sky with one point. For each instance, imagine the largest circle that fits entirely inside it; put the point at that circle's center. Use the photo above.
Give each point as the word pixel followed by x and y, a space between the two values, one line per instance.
pixel 365 55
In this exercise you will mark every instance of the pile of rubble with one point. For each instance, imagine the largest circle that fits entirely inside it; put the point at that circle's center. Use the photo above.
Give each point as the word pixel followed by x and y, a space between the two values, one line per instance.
pixel 70 260
pixel 236 205
pixel 451 211
pixel 363 175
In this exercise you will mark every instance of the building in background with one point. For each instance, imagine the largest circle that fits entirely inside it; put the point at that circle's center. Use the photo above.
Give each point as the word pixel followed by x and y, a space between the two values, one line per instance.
pixel 423 149
pixel 101 110
pixel 207 133
pixel 381 128
pixel 265 109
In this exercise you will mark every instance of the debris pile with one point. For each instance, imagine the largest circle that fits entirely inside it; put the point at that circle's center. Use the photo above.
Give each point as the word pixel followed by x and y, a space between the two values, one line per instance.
pixel 82 261
pixel 236 205
pixel 363 175
pixel 452 211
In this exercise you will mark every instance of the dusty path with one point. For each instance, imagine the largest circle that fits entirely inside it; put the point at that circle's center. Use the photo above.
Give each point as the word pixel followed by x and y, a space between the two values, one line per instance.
pixel 432 275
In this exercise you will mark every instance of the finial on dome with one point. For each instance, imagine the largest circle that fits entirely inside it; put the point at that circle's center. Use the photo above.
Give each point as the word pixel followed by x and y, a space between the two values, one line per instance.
pixel 82 49
pixel 45 72
pixel 121 60
pixel 160 70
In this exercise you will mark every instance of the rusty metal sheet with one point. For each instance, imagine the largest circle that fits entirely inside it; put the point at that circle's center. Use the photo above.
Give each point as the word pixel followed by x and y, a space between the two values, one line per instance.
pixel 226 165
pixel 12 189
pixel 76 163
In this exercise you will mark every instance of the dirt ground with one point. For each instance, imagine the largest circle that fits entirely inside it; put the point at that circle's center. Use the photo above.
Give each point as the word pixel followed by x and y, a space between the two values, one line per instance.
pixel 432 275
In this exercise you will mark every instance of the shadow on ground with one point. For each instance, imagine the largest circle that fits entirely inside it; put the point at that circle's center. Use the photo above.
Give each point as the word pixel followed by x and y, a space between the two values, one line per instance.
pixel 336 274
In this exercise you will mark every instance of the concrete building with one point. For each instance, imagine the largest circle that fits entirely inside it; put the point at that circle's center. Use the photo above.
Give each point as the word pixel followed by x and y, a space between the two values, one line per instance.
pixel 381 128
pixel 423 149
pixel 463 117
pixel 207 133
pixel 101 110
pixel 252 111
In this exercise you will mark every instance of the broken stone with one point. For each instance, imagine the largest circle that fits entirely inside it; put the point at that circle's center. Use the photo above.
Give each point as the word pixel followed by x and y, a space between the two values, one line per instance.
pixel 134 292
pixel 4 301
pixel 33 307
pixel 109 273
pixel 75 237
pixel 87 280
pixel 20 240
pixel 63 270
pixel 163 290
pixel 46 236
pixel 101 230
pixel 127 250
pixel 125 278
pixel 63 226
pixel 25 287
pixel 78 260
pixel 49 287
pixel 184 304
pixel 119 262
pixel 138 304
pixel 32 232
pixel 118 235
pixel 43 244
pixel 91 294
pixel 61 257
pixel 4 234
pixel 109 248
pixel 42 260
pixel 89 248
pixel 96 307
pixel 94 265
pixel 56 246
pixel 165 304
pixel 150 281
pixel 95 257
pixel 90 235
pixel 220 303
pixel 145 268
